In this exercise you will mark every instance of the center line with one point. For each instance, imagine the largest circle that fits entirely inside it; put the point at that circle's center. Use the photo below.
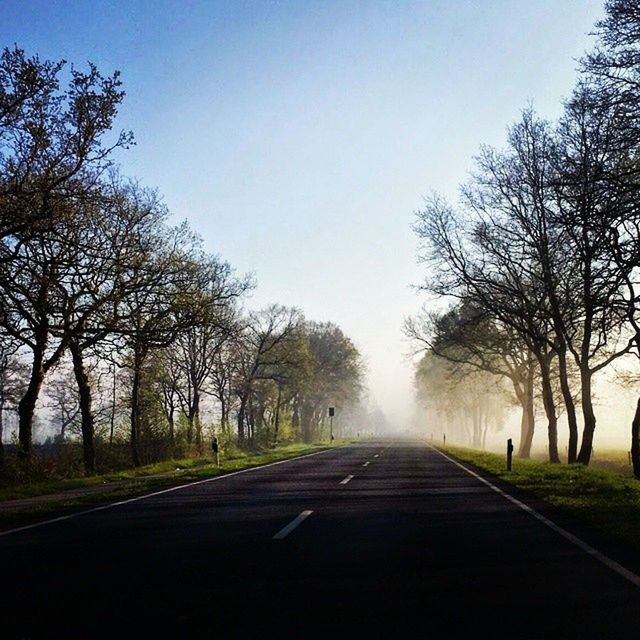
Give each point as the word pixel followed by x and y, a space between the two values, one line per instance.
pixel 283 533
pixel 367 463
pixel 346 480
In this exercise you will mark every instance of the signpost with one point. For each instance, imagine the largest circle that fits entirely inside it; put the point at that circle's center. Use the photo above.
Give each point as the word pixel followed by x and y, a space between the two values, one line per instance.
pixel 332 412
pixel 509 453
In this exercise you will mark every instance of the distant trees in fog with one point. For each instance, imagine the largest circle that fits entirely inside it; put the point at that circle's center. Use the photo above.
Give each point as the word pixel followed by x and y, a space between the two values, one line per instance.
pixel 542 252
pixel 100 294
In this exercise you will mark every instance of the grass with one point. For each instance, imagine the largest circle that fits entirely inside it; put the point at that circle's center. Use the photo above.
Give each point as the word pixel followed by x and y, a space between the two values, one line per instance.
pixel 132 482
pixel 604 495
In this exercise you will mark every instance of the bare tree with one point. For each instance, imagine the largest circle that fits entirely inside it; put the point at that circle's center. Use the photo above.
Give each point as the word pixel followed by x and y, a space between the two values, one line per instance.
pixel 489 261
pixel 595 182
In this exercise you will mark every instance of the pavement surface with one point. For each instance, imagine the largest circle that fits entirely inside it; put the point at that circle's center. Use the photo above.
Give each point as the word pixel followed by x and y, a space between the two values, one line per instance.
pixel 374 540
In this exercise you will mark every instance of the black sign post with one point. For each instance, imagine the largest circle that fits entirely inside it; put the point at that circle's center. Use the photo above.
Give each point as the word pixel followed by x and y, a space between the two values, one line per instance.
pixel 332 412
pixel 215 450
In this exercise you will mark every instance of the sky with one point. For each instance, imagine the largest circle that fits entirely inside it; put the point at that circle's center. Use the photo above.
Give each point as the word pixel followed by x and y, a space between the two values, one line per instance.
pixel 299 138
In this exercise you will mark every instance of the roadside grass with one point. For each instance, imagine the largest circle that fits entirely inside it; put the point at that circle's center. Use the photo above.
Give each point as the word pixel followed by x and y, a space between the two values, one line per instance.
pixel 606 498
pixel 68 494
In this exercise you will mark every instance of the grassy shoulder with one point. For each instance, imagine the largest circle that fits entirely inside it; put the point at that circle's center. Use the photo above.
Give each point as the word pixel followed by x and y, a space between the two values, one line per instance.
pixel 606 499
pixel 27 502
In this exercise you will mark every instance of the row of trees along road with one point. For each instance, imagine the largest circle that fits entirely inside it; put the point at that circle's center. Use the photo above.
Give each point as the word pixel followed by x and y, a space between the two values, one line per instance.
pixel 99 291
pixel 542 253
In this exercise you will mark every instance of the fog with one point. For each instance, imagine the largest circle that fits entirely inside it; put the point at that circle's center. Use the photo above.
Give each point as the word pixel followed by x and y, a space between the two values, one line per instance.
pixel 614 403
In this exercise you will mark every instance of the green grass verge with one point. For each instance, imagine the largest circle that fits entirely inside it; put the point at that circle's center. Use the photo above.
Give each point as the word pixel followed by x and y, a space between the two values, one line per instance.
pixel 606 499
pixel 62 496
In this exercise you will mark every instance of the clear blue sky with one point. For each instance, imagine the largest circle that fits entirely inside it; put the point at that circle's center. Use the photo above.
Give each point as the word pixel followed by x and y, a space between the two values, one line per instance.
pixel 299 138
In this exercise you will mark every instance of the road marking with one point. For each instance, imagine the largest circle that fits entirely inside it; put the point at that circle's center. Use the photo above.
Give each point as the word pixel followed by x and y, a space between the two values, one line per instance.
pixel 594 553
pixel 366 464
pixel 283 533
pixel 120 503
pixel 376 456
pixel 346 480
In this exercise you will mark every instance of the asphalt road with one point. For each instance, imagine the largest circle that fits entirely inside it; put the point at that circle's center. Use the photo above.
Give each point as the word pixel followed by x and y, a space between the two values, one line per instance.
pixel 374 540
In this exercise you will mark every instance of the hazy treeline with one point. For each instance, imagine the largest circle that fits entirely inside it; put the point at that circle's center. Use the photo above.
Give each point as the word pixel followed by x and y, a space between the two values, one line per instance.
pixel 542 252
pixel 128 324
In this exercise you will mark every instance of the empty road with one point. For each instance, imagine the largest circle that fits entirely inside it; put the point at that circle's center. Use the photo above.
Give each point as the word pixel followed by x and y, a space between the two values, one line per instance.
pixel 384 539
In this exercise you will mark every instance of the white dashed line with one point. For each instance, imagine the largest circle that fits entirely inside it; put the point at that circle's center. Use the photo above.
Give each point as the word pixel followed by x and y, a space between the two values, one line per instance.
pixel 366 464
pixel 283 533
pixel 375 455
pixel 346 480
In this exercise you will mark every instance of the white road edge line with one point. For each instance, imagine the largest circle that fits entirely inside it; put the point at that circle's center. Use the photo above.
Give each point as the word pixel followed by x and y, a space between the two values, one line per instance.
pixel 284 532
pixel 366 464
pixel 120 503
pixel 346 480
pixel 605 560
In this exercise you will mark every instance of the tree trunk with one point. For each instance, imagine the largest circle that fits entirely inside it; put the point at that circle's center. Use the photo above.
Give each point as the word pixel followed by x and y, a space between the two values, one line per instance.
pixel 570 405
pixel 135 404
pixel 2 429
pixel 306 415
pixel 477 425
pixel 241 415
pixel 295 418
pixel 524 393
pixel 172 427
pixel 27 404
pixel 113 409
pixel 485 430
pixel 84 400
pixel 635 442
pixel 586 448
pixel 549 408
pixel 224 417
pixel 195 417
pixel 531 417
pixel 251 423
pixel 276 421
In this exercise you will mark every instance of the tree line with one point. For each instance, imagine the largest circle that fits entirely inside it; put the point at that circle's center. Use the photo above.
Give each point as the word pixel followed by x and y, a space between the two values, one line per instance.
pixel 540 256
pixel 125 318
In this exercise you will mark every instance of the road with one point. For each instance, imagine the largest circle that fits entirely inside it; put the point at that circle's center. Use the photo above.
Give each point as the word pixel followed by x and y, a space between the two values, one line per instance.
pixel 377 540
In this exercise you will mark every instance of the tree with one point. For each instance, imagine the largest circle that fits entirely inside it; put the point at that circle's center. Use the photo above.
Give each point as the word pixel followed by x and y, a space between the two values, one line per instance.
pixel 192 358
pixel 158 306
pixel 595 181
pixel 13 376
pixel 615 60
pixel 333 376
pixel 222 378
pixel 614 67
pixel 488 260
pixel 260 353
pixel 53 154
pixel 538 253
pixel 467 337
pixel 462 399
